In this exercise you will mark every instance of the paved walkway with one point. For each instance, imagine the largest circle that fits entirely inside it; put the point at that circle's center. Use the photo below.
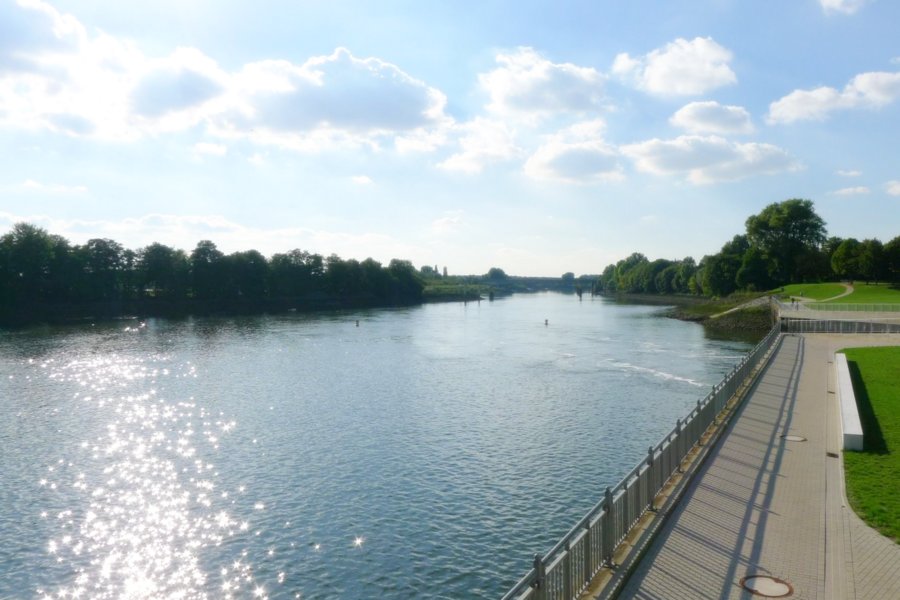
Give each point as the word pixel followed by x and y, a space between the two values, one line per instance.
pixel 763 505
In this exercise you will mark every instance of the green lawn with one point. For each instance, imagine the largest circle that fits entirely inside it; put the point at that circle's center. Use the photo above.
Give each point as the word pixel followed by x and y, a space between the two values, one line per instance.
pixel 811 291
pixel 873 475
pixel 875 293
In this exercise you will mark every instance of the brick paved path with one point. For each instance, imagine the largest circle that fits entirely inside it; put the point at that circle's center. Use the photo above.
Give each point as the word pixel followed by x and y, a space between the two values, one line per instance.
pixel 764 505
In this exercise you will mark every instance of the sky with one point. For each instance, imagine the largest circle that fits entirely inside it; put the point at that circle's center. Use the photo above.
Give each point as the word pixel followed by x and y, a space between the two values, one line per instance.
pixel 537 137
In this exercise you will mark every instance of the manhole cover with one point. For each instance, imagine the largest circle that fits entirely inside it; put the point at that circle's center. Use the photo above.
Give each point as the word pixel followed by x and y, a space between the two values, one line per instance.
pixel 764 585
pixel 794 438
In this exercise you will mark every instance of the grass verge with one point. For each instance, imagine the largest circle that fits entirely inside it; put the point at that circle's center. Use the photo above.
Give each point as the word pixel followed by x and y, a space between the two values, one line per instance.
pixel 873 475
pixel 810 291
pixel 875 293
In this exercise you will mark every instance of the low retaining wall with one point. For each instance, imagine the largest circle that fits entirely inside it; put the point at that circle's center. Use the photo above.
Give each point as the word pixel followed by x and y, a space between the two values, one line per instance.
pixel 851 427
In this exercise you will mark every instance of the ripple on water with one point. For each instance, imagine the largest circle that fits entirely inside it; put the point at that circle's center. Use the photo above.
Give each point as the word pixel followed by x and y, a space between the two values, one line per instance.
pixel 144 503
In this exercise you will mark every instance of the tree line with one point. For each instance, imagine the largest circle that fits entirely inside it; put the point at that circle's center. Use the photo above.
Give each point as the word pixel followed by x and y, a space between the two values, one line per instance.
pixel 785 243
pixel 39 269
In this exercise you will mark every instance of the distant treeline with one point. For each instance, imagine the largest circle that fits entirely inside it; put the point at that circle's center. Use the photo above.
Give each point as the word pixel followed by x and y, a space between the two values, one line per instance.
pixel 785 243
pixel 44 275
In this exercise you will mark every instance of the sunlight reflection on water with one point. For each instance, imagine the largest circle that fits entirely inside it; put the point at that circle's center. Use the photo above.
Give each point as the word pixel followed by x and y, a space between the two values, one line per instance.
pixel 151 500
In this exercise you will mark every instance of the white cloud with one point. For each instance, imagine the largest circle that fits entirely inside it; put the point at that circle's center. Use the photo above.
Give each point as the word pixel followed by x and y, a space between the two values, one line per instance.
pixel 712 117
pixel 892 187
pixel 210 149
pixel 362 180
pixel 51 188
pixel 56 76
pixel 33 28
pixel 849 173
pixel 851 191
pixel 681 68
pixel 482 142
pixel 576 155
pixel 447 224
pixel 708 159
pixel 184 80
pixel 338 97
pixel 867 90
pixel 846 7
pixel 526 85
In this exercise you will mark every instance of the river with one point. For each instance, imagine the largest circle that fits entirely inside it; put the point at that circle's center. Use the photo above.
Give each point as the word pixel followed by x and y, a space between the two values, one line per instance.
pixel 423 452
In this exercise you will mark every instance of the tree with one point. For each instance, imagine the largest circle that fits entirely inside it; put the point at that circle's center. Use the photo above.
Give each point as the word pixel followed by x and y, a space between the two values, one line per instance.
pixel 207 271
pixel 103 267
pixel 872 262
pixel 26 254
pixel 608 279
pixel 720 274
pixel 845 259
pixel 408 285
pixel 783 231
pixel 496 274
pixel 753 273
pixel 892 258
pixel 163 272
pixel 247 272
pixel 687 268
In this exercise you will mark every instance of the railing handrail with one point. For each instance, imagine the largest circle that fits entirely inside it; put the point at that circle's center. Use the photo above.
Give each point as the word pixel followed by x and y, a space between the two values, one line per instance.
pixel 550 559
pixel 838 306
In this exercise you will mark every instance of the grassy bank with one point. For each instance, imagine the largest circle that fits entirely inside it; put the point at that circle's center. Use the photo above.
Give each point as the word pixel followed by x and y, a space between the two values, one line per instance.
pixel 880 293
pixel 873 474
pixel 810 291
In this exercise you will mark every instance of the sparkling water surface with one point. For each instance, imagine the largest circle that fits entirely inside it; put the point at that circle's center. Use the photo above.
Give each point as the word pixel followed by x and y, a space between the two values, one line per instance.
pixel 426 452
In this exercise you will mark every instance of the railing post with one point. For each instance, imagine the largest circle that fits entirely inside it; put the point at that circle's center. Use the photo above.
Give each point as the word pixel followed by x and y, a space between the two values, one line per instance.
pixel 652 485
pixel 567 571
pixel 540 574
pixel 588 550
pixel 679 444
pixel 609 533
pixel 701 425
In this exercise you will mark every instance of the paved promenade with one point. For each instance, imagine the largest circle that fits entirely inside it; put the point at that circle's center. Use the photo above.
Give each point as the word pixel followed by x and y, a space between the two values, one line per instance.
pixel 765 505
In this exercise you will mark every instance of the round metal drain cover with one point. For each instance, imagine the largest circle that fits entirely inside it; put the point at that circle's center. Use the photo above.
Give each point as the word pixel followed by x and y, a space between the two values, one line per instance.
pixel 764 585
pixel 794 438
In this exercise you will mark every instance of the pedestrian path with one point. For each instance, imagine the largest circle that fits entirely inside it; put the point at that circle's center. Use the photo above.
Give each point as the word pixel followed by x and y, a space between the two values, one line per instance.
pixel 769 501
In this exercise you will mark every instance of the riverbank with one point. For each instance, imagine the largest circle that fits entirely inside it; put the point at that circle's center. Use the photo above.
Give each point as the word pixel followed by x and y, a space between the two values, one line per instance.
pixel 747 324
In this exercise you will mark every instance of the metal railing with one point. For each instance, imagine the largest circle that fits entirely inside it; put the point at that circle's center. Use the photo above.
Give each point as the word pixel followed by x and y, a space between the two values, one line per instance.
pixel 837 326
pixel 568 568
pixel 848 307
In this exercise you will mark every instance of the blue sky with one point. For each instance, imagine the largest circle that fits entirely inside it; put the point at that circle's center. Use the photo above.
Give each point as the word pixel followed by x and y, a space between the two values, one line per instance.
pixel 537 137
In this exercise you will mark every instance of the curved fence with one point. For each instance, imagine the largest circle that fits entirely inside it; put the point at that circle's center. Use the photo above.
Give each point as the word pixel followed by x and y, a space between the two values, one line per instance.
pixel 568 568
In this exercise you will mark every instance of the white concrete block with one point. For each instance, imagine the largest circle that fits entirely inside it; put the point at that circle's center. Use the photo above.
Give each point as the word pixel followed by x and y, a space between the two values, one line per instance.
pixel 851 427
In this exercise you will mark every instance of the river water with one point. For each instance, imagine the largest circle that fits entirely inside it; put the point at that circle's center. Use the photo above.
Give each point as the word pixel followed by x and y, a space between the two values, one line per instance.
pixel 423 452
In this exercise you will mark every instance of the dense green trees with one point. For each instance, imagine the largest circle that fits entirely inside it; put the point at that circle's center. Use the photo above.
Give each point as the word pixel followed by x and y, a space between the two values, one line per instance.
pixel 785 243
pixel 39 270
pixel 784 232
